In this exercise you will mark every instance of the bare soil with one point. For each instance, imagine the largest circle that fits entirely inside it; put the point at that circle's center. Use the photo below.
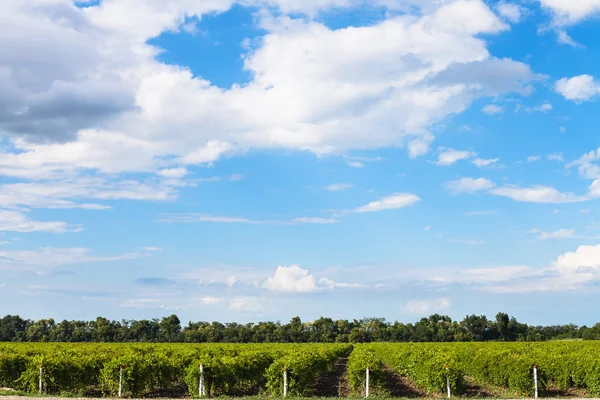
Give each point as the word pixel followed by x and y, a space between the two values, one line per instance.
pixel 334 383
pixel 400 386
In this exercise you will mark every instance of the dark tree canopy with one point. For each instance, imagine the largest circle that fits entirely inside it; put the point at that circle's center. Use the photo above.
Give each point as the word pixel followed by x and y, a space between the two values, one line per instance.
pixel 436 328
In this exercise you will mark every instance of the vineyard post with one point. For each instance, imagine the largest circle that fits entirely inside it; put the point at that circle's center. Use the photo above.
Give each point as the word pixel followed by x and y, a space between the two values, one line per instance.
pixel 367 384
pixel 41 373
pixel 285 382
pixel 201 382
pixel 535 380
pixel 448 382
pixel 120 381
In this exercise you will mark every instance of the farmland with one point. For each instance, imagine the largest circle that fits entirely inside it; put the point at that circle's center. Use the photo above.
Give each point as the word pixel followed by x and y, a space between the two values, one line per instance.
pixel 150 370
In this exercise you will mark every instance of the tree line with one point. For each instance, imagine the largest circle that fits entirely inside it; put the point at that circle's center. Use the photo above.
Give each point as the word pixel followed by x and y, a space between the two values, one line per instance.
pixel 436 328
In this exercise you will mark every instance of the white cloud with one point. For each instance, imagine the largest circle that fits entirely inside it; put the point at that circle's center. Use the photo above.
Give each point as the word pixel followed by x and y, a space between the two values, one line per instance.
pixel 544 107
pixel 469 185
pixel 151 248
pixel 176 173
pixel 336 187
pixel 470 242
pixel 492 109
pixel 200 218
pixel 568 12
pixel 363 159
pixel 564 38
pixel 478 213
pixel 537 194
pixel 579 88
pixel 355 164
pixel 16 221
pixel 61 193
pixel 330 284
pixel 571 271
pixel 252 305
pixel 556 157
pixel 291 279
pixel 47 257
pixel 510 11
pixel 451 156
pixel 480 162
pixel 117 110
pixel 428 228
pixel 587 168
pixel 394 201
pixel 318 221
pixel 479 276
pixel 426 307
pixel 211 300
pixel 559 234
pixel 534 158
pixel 235 178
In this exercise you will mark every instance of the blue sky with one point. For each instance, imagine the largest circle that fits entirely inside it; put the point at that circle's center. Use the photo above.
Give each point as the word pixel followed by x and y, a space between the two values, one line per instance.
pixel 261 159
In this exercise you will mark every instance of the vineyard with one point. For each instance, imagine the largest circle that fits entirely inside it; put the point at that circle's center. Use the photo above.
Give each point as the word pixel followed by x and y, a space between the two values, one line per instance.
pixel 174 370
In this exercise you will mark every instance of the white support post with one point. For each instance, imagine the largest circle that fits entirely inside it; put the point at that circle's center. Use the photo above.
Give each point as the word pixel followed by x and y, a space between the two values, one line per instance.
pixel 120 381
pixel 367 383
pixel 201 390
pixel 448 382
pixel 285 382
pixel 41 386
pixel 535 380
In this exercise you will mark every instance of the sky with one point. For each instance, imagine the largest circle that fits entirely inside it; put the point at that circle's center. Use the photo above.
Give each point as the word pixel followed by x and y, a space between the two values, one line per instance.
pixel 251 160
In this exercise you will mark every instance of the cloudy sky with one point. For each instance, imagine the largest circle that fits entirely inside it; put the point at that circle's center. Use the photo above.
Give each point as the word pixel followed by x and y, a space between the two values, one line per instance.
pixel 243 160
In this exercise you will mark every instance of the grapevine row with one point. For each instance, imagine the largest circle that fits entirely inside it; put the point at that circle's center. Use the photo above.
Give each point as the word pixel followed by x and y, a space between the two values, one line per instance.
pixel 228 369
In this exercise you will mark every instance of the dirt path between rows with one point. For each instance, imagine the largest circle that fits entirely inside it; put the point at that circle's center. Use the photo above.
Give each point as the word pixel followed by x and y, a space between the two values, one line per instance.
pixel 334 383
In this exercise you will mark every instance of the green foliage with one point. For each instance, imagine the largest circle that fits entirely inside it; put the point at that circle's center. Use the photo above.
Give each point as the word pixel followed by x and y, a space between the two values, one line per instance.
pixel 242 369
pixel 303 366
pixel 230 370
pixel 363 357
pixel 425 364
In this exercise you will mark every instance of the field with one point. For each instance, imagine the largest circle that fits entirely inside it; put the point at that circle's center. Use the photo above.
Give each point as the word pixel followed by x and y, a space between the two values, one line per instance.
pixel 325 370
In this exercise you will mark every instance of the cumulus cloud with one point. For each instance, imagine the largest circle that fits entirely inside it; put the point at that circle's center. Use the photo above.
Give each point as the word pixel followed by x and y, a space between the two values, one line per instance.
pixel 586 163
pixel 294 279
pixel 291 279
pixel 102 101
pixel 534 158
pixel 579 88
pixel 568 12
pixel 470 185
pixel 510 11
pixel 570 271
pixel 394 201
